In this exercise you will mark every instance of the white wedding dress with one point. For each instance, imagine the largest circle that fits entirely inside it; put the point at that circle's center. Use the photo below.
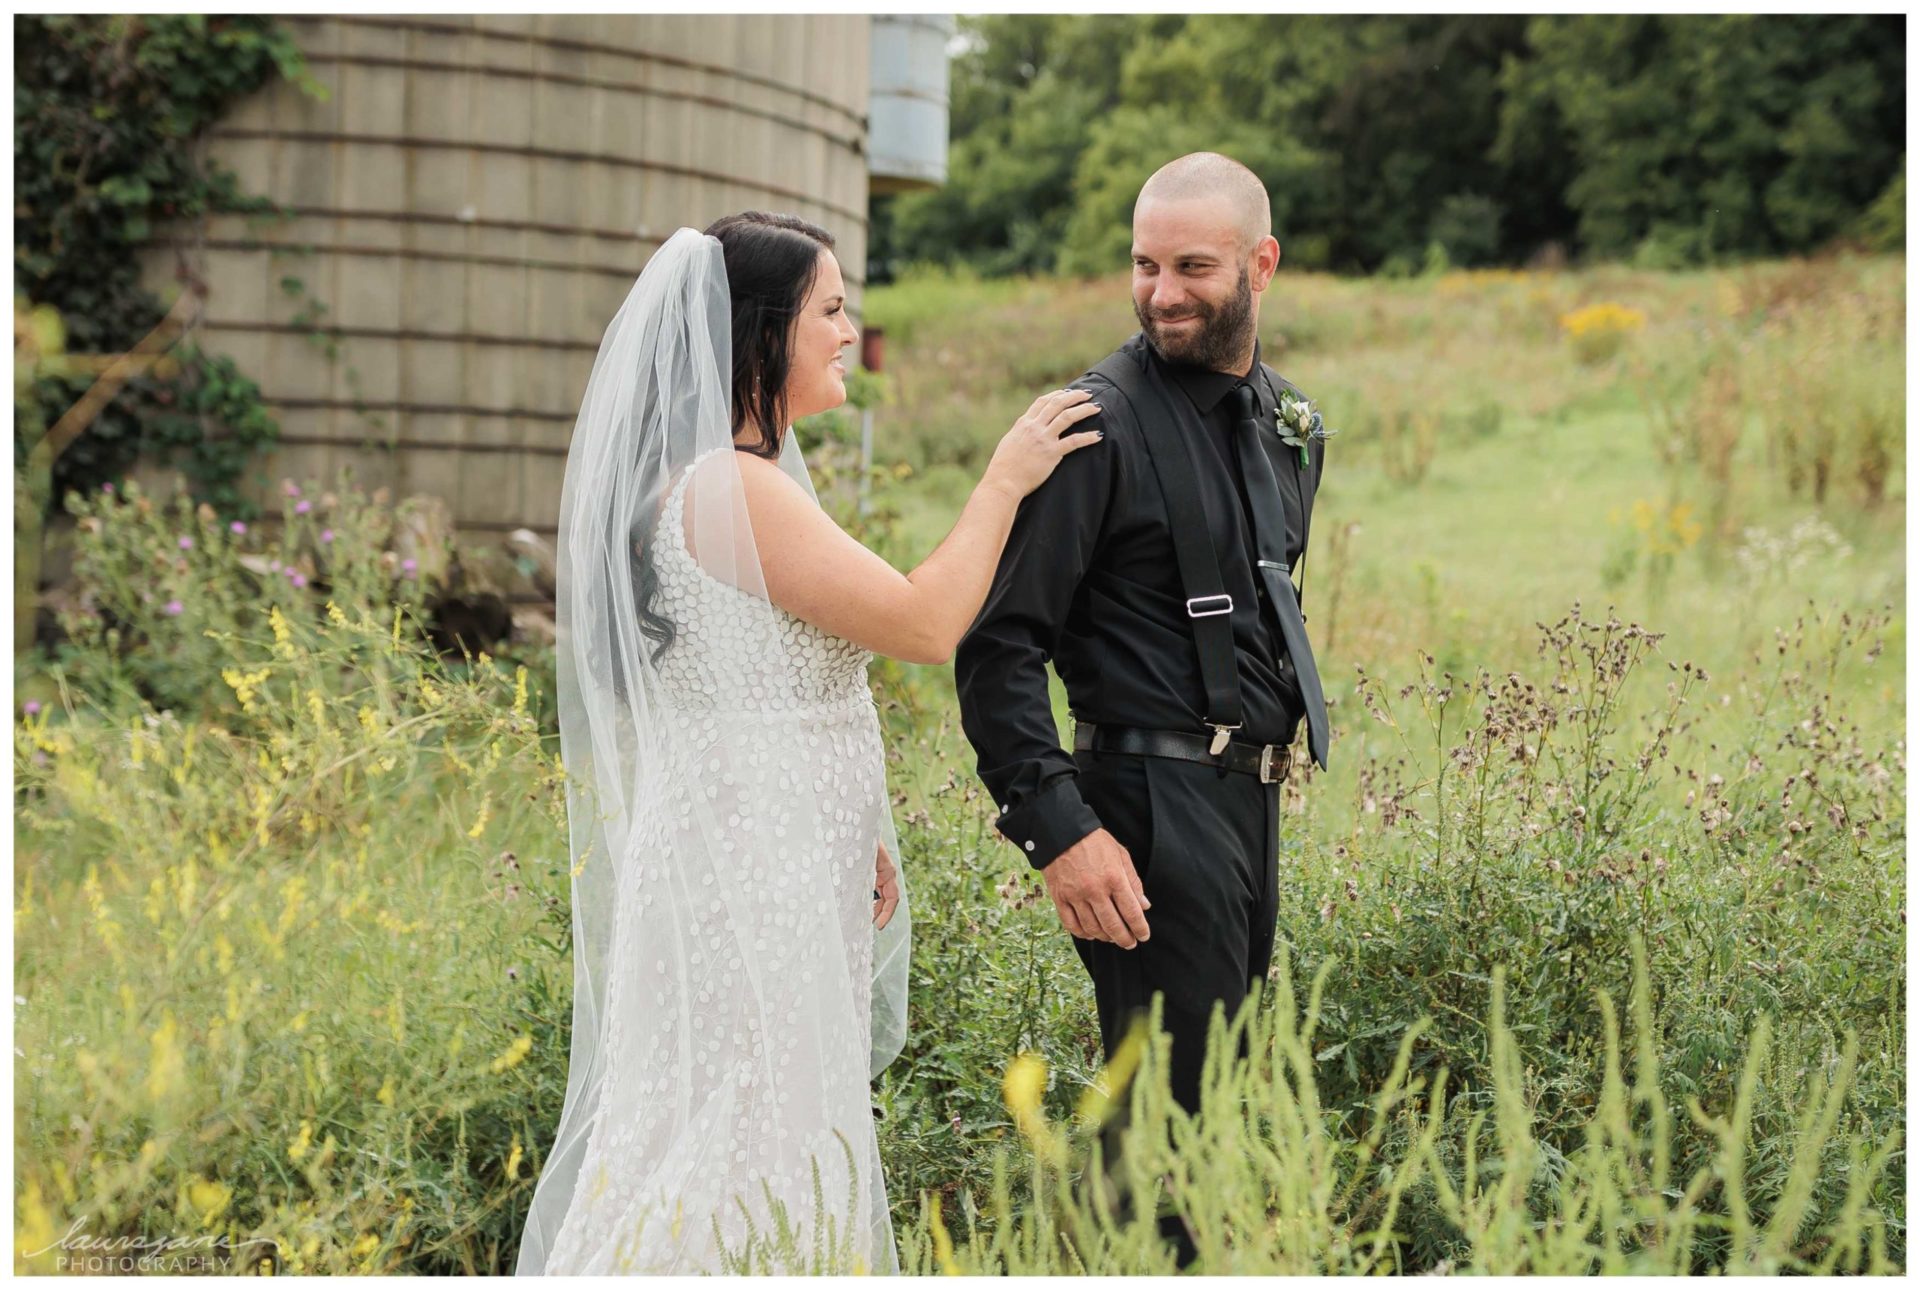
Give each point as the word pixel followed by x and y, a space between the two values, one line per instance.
pixel 754 978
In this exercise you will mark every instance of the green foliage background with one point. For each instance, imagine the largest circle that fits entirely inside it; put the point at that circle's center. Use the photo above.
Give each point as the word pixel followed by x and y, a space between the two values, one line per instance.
pixel 109 117
pixel 1675 139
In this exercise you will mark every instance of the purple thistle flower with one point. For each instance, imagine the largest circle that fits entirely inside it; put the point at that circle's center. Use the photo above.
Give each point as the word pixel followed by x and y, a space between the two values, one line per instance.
pixel 174 608
pixel 303 507
pixel 326 535
pixel 274 565
pixel 107 487
pixel 299 579
pixel 186 544
pixel 409 565
pixel 292 489
pixel 32 707
pixel 238 526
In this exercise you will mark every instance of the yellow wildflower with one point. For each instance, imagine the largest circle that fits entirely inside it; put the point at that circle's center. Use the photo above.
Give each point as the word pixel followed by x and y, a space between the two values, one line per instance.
pixel 297 1149
pixel 513 1159
pixel 1025 1081
pixel 516 1052
pixel 486 813
pixel 168 1063
pixel 208 1196
pixel 942 1243
pixel 1097 1103
pixel 282 634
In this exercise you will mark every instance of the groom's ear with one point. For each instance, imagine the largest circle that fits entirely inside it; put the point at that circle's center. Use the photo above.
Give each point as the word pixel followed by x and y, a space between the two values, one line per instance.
pixel 1265 261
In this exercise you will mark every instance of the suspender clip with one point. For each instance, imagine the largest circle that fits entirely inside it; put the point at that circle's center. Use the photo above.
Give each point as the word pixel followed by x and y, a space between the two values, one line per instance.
pixel 1221 734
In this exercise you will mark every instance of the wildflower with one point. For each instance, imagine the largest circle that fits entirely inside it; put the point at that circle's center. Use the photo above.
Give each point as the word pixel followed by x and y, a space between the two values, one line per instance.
pixel 238 526
pixel 486 812
pixel 326 535
pixel 1025 1081
pixel 273 565
pixel 366 1245
pixel 107 488
pixel 290 488
pixel 299 579
pixel 516 1051
pixel 408 565
pixel 186 544
pixel 385 1095
pixel 513 1158
pixel 32 707
pixel 209 1197
pixel 174 608
pixel 303 507
pixel 1097 1103
pixel 298 1147
pixel 942 1243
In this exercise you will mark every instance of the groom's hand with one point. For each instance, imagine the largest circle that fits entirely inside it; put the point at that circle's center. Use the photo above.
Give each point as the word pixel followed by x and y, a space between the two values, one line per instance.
pixel 1098 894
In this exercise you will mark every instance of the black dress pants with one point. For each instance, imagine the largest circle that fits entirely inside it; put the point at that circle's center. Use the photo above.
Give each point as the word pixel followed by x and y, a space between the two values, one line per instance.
pixel 1206 845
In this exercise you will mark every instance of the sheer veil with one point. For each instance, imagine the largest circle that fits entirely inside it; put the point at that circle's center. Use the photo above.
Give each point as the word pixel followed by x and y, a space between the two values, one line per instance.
pixel 669 783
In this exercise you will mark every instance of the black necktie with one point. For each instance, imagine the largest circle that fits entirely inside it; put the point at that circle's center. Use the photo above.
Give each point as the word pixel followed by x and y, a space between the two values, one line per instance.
pixel 1270 551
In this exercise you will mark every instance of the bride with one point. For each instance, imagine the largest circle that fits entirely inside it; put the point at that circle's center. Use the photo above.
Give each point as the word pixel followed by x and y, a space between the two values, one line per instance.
pixel 739 930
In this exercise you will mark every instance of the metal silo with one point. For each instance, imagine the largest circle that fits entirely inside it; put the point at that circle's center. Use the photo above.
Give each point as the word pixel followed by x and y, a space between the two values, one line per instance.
pixel 908 112
pixel 472 203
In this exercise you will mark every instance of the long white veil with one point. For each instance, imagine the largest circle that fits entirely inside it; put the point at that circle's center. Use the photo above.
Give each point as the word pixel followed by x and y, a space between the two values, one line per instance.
pixel 674 783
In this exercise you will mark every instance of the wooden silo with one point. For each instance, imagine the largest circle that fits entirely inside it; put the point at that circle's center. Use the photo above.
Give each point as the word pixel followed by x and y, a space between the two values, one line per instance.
pixel 472 203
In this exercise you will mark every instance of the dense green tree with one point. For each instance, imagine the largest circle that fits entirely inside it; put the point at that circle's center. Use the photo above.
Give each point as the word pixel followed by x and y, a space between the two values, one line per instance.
pixel 1702 136
pixel 1385 138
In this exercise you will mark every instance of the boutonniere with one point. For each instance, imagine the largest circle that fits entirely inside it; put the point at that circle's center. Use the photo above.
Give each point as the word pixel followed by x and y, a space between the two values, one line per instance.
pixel 1299 421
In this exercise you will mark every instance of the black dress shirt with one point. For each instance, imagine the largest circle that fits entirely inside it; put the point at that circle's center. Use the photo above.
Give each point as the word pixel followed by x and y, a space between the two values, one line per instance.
pixel 1089 582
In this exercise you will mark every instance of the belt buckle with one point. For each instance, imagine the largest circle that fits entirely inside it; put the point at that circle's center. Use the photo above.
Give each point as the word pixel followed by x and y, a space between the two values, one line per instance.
pixel 1267 772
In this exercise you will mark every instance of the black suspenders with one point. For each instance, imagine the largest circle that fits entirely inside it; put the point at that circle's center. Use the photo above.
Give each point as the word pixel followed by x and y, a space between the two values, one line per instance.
pixel 1209 607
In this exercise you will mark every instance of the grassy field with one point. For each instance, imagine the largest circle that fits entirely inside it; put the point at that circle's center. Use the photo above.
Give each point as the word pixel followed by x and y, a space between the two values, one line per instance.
pixel 1592 940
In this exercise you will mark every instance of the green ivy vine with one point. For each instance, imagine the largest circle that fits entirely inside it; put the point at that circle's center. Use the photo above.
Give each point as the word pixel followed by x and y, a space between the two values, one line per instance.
pixel 110 118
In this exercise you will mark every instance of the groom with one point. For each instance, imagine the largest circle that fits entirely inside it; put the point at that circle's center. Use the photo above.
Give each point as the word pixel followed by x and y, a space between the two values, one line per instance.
pixel 1155 572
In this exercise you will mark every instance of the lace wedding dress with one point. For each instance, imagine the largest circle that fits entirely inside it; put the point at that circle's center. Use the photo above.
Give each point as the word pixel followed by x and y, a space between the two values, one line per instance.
pixel 751 1073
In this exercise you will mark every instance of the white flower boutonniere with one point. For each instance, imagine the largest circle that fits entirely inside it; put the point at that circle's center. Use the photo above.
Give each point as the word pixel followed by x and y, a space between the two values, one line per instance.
pixel 1299 421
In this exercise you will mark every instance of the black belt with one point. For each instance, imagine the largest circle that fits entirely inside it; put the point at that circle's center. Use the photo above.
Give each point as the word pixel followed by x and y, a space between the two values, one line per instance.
pixel 1268 761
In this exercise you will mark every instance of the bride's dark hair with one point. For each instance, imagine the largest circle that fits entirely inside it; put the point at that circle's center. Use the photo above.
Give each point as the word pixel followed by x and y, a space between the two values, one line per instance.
pixel 771 262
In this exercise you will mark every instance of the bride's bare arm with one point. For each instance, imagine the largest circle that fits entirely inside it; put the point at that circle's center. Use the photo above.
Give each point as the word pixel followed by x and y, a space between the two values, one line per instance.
pixel 818 573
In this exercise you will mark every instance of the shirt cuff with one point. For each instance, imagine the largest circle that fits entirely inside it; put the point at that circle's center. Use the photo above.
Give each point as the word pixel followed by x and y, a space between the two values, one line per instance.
pixel 1049 822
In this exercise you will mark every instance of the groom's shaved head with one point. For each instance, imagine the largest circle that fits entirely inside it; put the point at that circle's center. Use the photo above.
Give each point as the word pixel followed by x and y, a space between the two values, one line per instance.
pixel 1210 177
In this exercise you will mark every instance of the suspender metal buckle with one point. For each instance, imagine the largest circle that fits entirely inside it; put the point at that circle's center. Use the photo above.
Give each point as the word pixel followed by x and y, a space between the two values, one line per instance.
pixel 1226 608
pixel 1221 735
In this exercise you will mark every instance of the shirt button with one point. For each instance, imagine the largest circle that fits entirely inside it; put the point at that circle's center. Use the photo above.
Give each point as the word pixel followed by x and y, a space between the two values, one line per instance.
pixel 1029 846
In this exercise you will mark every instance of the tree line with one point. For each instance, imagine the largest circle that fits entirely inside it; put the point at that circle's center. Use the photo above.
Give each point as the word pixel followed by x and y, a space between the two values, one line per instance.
pixel 1392 142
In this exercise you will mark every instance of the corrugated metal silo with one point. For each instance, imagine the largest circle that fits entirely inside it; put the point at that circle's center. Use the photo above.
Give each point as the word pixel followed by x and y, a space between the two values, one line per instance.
pixel 908 112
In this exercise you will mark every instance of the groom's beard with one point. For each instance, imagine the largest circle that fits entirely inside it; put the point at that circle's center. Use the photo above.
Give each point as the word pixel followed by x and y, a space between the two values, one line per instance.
pixel 1222 339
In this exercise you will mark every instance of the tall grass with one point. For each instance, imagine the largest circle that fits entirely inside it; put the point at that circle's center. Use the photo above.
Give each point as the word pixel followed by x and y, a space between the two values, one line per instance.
pixel 1269 1179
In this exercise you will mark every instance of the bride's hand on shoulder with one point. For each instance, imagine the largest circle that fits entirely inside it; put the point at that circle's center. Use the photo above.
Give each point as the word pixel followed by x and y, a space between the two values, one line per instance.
pixel 1039 440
